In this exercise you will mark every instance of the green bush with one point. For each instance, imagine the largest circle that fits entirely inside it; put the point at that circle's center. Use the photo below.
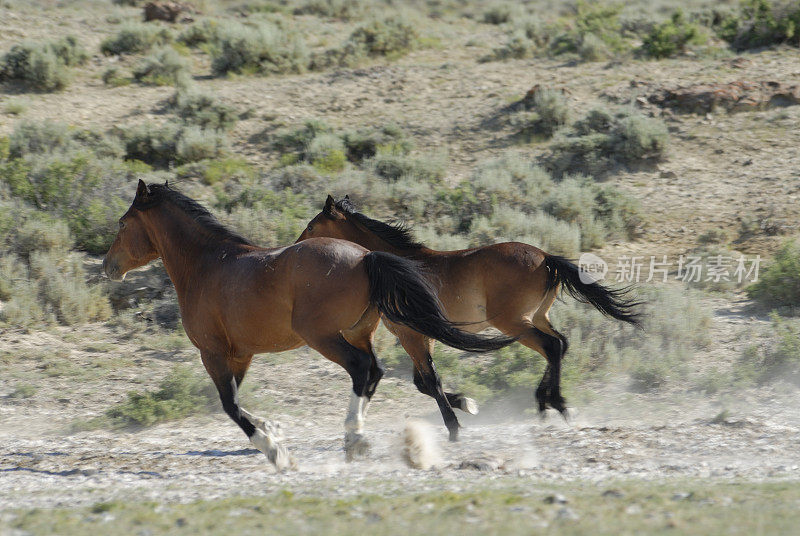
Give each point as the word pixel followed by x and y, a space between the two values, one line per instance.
pixel 671 37
pixel 84 191
pixel 390 37
pixel 155 145
pixel 600 141
pixel 549 113
pixel 339 9
pixel 39 66
pixel 218 170
pixel 133 38
pixel 779 283
pixel 195 144
pixel 33 137
pixel 203 109
pixel 762 23
pixel 164 67
pixel 527 38
pixel 205 31
pixel 180 394
pixel 264 49
pixel 326 153
pixel 500 13
pixel 112 77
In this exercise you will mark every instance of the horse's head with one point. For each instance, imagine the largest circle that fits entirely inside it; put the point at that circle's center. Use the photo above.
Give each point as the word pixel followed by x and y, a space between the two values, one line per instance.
pixel 332 223
pixel 132 247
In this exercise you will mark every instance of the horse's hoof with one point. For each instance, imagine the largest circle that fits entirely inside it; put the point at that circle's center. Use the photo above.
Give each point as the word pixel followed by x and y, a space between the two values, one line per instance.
pixel 469 405
pixel 454 435
pixel 282 460
pixel 542 414
pixel 355 446
pixel 568 414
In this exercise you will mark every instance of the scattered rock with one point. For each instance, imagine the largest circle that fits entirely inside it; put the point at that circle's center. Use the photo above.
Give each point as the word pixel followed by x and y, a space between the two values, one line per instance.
pixel 486 462
pixel 556 498
pixel 683 496
pixel 739 96
pixel 167 11
pixel 614 493
pixel 567 513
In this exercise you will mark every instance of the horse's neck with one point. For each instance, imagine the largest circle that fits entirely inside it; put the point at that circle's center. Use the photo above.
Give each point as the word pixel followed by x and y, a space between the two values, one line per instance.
pixel 183 249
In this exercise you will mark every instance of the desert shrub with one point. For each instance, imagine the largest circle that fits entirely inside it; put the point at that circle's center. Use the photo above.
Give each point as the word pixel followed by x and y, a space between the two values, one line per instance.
pixel 500 13
pixel 390 37
pixel 762 23
pixel 339 9
pixel 113 77
pixel 778 358
pixel 600 141
pixel 69 51
pixel 264 48
pixel 195 144
pixel 37 66
pixel 218 170
pixel 173 143
pixel 545 231
pixel 64 289
pixel 15 107
pixel 164 67
pixel 34 137
pixel 43 137
pixel 41 233
pixel 182 393
pixel 203 109
pixel 592 48
pixel 81 189
pixel 393 167
pixel 549 113
pixel 671 37
pixel 527 37
pixel 779 283
pixel 326 153
pixel 366 143
pixel 133 38
pixel 205 31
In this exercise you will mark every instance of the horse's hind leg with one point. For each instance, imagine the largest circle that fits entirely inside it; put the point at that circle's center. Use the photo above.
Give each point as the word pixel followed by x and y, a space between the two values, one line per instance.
pixel 426 378
pixel 364 373
pixel 227 376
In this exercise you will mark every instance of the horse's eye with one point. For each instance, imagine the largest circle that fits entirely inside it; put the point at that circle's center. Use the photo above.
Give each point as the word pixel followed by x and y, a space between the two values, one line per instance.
pixel 121 224
pixel 310 228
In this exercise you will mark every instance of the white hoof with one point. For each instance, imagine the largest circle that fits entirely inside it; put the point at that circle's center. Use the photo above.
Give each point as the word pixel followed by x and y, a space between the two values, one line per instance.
pixel 355 446
pixel 469 405
pixel 274 451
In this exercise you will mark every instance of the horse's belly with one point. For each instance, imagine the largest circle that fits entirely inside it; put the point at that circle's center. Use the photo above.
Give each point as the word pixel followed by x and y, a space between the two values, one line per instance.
pixel 466 307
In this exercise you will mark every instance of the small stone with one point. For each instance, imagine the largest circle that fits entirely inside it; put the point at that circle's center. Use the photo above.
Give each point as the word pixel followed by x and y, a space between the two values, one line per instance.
pixel 567 513
pixel 556 499
pixel 615 493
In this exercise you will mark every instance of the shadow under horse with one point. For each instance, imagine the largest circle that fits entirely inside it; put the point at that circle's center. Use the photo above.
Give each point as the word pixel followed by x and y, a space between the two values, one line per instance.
pixel 237 299
pixel 509 286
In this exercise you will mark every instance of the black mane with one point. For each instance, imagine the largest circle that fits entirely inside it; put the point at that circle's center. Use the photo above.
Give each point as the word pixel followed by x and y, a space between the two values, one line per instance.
pixel 395 234
pixel 160 193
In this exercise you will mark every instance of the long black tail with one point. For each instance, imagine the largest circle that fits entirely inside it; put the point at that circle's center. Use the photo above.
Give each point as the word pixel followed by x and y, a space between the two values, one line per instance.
pixel 611 302
pixel 404 296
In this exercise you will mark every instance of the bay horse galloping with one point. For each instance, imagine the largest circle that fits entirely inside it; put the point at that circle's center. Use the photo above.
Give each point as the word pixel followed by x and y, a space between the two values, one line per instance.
pixel 237 300
pixel 510 286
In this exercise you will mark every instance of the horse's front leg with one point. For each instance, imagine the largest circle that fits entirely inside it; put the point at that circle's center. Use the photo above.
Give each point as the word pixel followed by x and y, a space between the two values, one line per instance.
pixel 261 435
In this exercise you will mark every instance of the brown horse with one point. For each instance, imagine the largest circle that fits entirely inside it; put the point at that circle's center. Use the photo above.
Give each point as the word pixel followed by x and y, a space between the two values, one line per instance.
pixel 510 286
pixel 237 300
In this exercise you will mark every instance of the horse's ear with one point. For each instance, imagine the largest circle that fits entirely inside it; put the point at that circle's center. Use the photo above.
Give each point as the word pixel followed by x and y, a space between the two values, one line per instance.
pixel 142 190
pixel 347 196
pixel 330 204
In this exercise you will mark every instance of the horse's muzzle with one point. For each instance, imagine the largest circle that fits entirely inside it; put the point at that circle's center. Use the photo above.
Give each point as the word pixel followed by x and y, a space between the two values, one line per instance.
pixel 112 271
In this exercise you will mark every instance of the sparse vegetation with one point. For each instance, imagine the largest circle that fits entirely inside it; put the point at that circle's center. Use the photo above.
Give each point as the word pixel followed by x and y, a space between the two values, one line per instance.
pixel 671 37
pixel 133 38
pixel 182 393
pixel 600 141
pixel 761 23
pixel 264 48
pixel 43 66
pixel 779 283
pixel 164 67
